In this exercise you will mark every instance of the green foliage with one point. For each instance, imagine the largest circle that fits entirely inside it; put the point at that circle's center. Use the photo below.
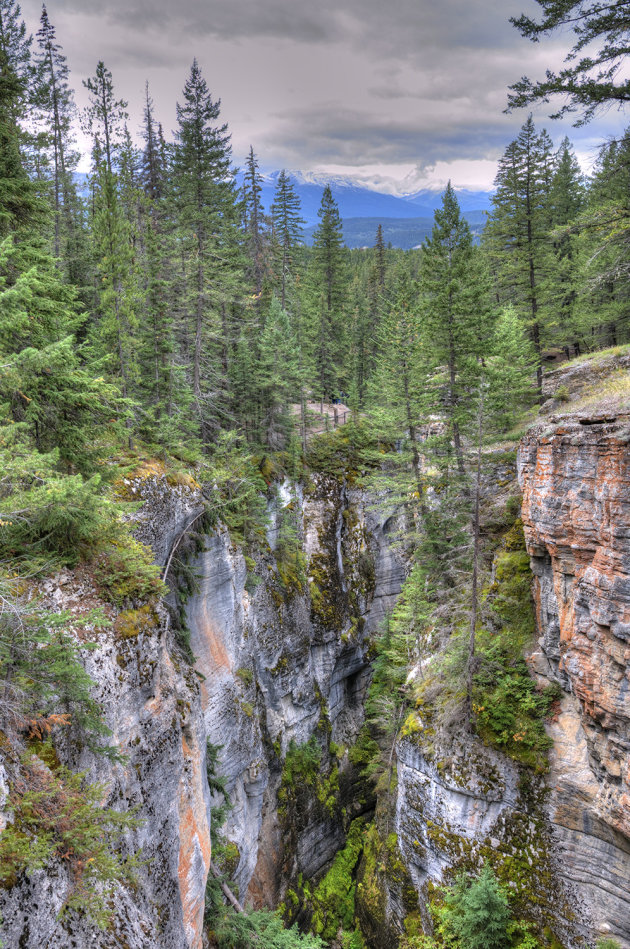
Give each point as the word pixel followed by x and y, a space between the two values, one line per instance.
pixel 47 515
pixel 302 764
pixel 237 498
pixel 475 913
pixel 592 78
pixel 510 709
pixel 125 571
pixel 344 452
pixel 290 558
pixel 57 815
pixel 607 943
pixel 334 897
pixel 261 928
pixel 41 673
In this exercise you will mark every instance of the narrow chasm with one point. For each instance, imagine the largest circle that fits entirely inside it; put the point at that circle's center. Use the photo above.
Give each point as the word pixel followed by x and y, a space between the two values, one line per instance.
pixel 282 632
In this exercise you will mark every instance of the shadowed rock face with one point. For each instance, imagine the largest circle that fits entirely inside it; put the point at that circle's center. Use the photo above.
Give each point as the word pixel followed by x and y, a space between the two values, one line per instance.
pixel 576 515
pixel 278 662
pixel 151 703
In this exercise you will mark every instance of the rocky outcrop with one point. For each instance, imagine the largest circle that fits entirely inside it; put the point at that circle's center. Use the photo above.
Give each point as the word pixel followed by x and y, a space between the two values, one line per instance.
pixel 284 656
pixel 575 477
pixel 150 700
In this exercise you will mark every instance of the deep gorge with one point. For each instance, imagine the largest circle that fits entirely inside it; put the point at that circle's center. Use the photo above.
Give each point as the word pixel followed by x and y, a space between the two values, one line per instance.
pixel 282 663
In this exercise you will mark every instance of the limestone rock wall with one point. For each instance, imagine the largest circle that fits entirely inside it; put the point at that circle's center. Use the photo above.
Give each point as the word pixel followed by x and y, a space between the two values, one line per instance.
pixel 151 703
pixel 282 661
pixel 575 477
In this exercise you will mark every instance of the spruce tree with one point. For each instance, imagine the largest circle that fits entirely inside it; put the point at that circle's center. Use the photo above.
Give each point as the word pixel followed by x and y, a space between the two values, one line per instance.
pixel 254 220
pixel 287 230
pixel 566 200
pixel 329 278
pixel 593 78
pixel 278 374
pixel 19 203
pixel 208 219
pixel 478 913
pixel 56 107
pixel 455 312
pixel 15 49
pixel 153 165
pixel 105 117
pixel 118 298
pixel 603 246
pixel 517 235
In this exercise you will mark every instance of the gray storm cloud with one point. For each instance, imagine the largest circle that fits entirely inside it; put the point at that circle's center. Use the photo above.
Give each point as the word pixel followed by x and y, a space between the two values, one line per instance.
pixel 353 83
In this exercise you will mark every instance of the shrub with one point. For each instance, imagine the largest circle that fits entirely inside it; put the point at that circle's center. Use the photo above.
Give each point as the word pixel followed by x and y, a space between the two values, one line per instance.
pixel 49 515
pixel 476 912
pixel 125 571
pixel 57 816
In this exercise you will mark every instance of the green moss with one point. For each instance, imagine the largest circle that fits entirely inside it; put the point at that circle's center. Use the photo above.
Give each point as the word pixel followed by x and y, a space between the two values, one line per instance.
pixel 131 623
pixel 245 675
pixel 291 566
pixel 281 666
pixel 327 599
pixel 510 709
pixel 371 886
pixel 334 897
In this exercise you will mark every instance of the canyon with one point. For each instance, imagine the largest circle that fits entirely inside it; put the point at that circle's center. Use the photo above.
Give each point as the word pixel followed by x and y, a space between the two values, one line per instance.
pixel 282 657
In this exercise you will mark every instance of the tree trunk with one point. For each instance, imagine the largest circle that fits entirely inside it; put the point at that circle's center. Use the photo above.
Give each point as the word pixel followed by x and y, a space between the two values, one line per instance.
pixel 474 606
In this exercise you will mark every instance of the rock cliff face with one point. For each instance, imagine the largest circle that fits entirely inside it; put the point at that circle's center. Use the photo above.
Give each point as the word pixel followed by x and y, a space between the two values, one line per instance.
pixel 283 660
pixel 561 840
pixel 576 513
pixel 150 700
pixel 282 654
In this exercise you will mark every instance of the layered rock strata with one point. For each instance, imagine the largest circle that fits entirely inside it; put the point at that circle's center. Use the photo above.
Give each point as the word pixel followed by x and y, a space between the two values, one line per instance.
pixel 575 477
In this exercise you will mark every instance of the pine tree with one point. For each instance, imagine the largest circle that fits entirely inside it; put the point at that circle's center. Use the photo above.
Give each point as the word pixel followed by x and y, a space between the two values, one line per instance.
pixel 368 315
pixel 287 228
pixel 153 170
pixel 518 233
pixel 105 117
pixel 252 189
pixel 566 200
pixel 117 305
pixel 15 49
pixel 477 912
pixel 278 374
pixel 56 107
pixel 593 78
pixel 208 219
pixel 329 275
pixel 603 245
pixel 19 204
pixel 455 315
pixel 397 391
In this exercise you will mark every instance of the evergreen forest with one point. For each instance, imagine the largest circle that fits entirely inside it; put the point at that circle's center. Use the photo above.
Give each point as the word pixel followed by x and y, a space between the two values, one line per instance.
pixel 154 313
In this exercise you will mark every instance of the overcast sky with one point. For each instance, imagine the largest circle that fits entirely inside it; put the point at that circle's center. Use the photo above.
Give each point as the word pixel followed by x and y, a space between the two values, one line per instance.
pixel 401 94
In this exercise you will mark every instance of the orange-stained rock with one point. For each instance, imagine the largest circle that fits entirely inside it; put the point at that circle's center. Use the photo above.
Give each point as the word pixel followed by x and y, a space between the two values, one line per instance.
pixel 576 514
pixel 194 843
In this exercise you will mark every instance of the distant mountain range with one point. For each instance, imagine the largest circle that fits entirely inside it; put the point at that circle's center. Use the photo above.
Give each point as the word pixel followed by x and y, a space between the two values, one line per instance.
pixel 406 219
pixel 405 233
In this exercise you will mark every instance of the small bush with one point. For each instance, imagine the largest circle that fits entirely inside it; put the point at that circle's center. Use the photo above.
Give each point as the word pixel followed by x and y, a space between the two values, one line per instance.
pixel 125 571
pixel 57 816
